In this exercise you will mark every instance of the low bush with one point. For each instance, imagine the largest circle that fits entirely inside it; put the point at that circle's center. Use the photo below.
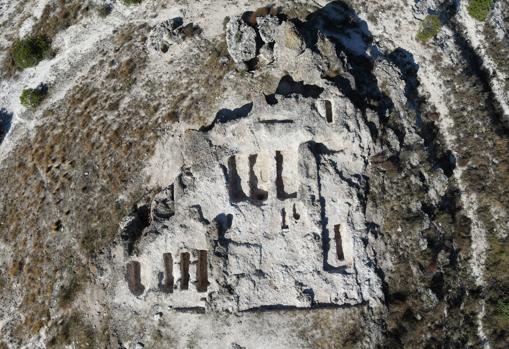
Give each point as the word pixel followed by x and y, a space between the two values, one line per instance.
pixel 430 27
pixel 30 51
pixel 480 9
pixel 131 2
pixel 104 10
pixel 32 97
pixel 503 309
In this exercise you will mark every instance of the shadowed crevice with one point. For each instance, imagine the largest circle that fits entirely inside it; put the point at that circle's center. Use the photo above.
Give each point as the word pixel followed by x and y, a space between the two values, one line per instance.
pixel 5 123
pixel 227 115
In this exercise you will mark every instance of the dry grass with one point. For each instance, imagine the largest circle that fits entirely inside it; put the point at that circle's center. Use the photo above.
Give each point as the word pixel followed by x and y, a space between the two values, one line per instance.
pixel 61 188
pixel 483 140
pixel 74 330
pixel 60 15
pixel 329 328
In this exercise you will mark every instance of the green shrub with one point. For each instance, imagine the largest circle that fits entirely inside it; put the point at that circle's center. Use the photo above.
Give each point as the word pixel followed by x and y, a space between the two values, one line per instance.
pixel 32 97
pixel 30 51
pixel 430 27
pixel 480 9
pixel 104 10
pixel 131 2
pixel 503 309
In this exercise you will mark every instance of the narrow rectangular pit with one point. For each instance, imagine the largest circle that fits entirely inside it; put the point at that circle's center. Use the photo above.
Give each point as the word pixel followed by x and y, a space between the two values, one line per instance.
pixel 234 182
pixel 328 112
pixel 168 273
pixel 296 214
pixel 284 226
pixel 339 243
pixel 202 280
pixel 133 277
pixel 281 194
pixel 185 258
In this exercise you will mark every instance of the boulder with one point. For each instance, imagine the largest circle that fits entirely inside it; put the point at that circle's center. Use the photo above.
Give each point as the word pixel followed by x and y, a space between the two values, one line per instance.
pixel 241 40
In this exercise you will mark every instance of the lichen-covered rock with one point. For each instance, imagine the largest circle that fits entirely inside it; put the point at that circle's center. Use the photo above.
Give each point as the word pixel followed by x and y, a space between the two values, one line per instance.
pixel 266 55
pixel 163 35
pixel 267 26
pixel 241 40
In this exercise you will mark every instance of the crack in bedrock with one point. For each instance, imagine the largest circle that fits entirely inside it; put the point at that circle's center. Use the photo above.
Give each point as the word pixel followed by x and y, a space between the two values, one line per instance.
pixel 283 308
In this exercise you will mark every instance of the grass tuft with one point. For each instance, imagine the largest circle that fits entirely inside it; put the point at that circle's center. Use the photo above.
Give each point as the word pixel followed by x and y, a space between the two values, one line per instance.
pixel 131 2
pixel 104 10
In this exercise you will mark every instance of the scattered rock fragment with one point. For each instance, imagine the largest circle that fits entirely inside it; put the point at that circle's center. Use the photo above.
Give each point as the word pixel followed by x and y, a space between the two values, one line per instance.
pixel 5 123
pixel 163 206
pixel 170 32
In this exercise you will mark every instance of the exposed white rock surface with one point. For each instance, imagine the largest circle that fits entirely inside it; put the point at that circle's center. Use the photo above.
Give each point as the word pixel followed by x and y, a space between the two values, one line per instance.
pixel 284 211
pixel 272 196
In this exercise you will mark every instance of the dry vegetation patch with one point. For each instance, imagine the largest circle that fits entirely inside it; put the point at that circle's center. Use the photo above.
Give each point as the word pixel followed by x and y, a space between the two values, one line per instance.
pixel 485 143
pixel 66 188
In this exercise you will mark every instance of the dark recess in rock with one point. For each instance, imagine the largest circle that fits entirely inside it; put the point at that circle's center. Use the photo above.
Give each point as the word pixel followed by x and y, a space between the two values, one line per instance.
pixel 5 123
pixel 136 222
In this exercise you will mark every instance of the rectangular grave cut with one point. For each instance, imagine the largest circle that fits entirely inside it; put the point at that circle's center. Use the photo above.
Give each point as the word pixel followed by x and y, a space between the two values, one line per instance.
pixel 185 258
pixel 339 243
pixel 168 273
pixel 133 276
pixel 328 112
pixel 202 280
